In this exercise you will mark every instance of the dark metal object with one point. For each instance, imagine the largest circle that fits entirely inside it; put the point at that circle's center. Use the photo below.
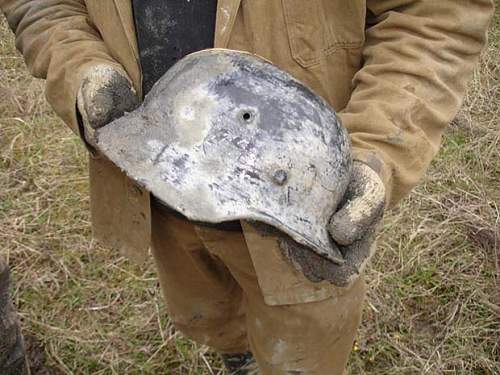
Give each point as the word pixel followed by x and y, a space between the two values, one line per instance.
pixel 227 136
pixel 169 30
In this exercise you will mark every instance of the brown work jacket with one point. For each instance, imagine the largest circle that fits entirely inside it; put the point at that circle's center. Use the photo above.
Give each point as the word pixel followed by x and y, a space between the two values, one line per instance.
pixel 396 70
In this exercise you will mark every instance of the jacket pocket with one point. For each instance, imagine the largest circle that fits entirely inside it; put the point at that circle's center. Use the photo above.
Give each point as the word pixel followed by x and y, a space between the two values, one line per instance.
pixel 317 28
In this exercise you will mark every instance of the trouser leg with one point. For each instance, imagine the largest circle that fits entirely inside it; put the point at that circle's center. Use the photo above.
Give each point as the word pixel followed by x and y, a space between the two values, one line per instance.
pixel 214 297
pixel 12 353
pixel 309 338
pixel 303 338
pixel 203 300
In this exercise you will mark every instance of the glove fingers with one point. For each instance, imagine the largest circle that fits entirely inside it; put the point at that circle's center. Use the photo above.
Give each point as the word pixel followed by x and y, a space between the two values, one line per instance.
pixel 357 257
pixel 317 268
pixel 313 266
pixel 111 102
pixel 105 95
pixel 359 253
pixel 362 210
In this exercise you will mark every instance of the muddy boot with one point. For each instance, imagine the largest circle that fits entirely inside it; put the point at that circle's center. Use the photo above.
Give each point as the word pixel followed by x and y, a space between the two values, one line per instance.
pixel 12 353
pixel 240 364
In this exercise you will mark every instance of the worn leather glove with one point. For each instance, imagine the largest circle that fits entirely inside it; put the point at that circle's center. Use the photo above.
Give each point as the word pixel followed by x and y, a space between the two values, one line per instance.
pixel 104 95
pixel 353 228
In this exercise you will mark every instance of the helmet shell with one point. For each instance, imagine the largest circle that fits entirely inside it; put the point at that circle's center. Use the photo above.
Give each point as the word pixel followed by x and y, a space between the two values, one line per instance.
pixel 226 135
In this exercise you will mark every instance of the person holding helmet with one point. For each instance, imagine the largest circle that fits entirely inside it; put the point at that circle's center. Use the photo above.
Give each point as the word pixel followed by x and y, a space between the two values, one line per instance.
pixel 394 70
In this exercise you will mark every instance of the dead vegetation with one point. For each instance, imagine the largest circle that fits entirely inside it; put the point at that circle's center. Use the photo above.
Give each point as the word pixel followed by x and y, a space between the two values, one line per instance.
pixel 434 302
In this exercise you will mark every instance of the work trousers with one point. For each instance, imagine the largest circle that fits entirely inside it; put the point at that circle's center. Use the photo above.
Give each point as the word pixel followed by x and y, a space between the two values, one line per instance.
pixel 216 296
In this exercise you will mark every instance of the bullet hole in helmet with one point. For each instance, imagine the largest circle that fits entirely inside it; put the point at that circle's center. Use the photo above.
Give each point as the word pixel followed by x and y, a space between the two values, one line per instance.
pixel 247 115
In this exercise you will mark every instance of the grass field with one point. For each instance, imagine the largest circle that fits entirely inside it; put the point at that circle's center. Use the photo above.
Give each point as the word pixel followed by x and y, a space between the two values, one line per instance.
pixel 434 295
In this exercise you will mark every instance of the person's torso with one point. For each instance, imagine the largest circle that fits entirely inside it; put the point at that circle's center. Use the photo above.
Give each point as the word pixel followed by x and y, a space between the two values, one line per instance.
pixel 167 31
pixel 318 41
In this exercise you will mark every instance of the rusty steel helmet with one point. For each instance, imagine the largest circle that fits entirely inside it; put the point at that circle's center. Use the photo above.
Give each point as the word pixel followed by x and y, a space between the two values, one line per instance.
pixel 226 135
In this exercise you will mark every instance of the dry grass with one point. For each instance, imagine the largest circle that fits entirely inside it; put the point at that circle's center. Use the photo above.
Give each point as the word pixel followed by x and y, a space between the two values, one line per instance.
pixel 433 306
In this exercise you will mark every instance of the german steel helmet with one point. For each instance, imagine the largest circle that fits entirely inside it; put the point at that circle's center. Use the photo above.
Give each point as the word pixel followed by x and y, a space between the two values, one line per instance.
pixel 226 135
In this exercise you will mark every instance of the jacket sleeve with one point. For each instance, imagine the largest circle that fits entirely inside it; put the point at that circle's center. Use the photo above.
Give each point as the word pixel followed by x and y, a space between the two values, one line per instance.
pixel 418 58
pixel 58 43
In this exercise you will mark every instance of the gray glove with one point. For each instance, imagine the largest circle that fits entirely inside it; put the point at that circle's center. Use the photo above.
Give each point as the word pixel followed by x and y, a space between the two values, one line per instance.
pixel 104 95
pixel 353 228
